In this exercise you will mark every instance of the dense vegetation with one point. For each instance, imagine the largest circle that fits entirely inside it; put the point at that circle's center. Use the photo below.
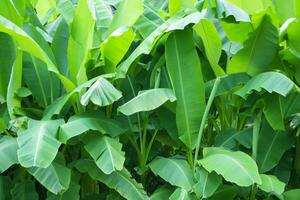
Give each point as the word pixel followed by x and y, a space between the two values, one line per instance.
pixel 153 99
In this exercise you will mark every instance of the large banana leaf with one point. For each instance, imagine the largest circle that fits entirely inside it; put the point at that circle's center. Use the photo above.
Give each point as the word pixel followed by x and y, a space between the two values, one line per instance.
pixel 147 100
pixel 185 72
pixel 7 57
pixel 271 147
pixel 14 84
pixel 174 23
pixel 212 44
pixel 8 152
pixel 26 43
pixel 182 194
pixel 115 47
pixel 269 81
pixel 38 145
pixel 175 171
pixel 226 9
pixel 271 184
pixel 254 58
pixel 101 93
pixel 56 177
pixel 127 14
pixel 81 41
pixel 81 123
pixel 151 19
pixel 207 183
pixel 106 152
pixel 104 16
pixel 236 167
pixel 120 181
pixel 162 193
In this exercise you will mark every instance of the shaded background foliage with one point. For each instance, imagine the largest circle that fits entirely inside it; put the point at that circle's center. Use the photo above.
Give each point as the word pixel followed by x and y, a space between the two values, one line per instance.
pixel 153 99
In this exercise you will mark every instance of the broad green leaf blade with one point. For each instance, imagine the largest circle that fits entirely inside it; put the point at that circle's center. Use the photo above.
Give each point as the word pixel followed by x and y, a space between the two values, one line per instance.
pixel 292 194
pixel 237 167
pixel 174 23
pixel 24 191
pixel 212 44
pixel 269 81
pixel 127 14
pixel 106 151
pixel 114 48
pixel 271 147
pixel 226 9
pixel 254 58
pixel 293 31
pixel 181 194
pixel 101 93
pixel 162 192
pixel 38 145
pixel 151 19
pixel 15 82
pixel 81 40
pixel 26 43
pixel 177 5
pixel 175 171
pixel 8 152
pixel 207 183
pixel 7 58
pixel 81 123
pixel 56 177
pixel 147 100
pixel 120 181
pixel 104 16
pixel 271 184
pixel 40 81
pixel 66 9
pixel 185 72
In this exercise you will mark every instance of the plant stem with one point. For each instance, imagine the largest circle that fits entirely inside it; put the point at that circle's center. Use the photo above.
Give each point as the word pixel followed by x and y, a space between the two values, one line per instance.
pixel 207 108
pixel 253 192
pixel 256 128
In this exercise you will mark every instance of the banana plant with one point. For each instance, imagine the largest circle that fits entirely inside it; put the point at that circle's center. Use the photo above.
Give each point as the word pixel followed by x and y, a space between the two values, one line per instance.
pixel 153 99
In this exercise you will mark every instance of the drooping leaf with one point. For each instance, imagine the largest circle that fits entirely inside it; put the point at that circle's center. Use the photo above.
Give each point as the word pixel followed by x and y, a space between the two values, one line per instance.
pixel 56 177
pixel 120 181
pixel 174 23
pixel 254 58
pixel 38 145
pixel 104 16
pixel 212 44
pixel 7 57
pixel 271 184
pixel 115 47
pixel 226 9
pixel 106 151
pixel 8 152
pixel 207 183
pixel 14 84
pixel 81 41
pixel 269 81
pixel 26 43
pixel 175 171
pixel 271 146
pixel 127 14
pixel 81 123
pixel 185 72
pixel 237 167
pixel 147 100
pixel 24 191
pixel 101 93
pixel 151 19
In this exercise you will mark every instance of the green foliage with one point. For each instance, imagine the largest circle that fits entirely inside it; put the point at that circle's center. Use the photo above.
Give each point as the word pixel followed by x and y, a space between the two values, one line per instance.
pixel 153 99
